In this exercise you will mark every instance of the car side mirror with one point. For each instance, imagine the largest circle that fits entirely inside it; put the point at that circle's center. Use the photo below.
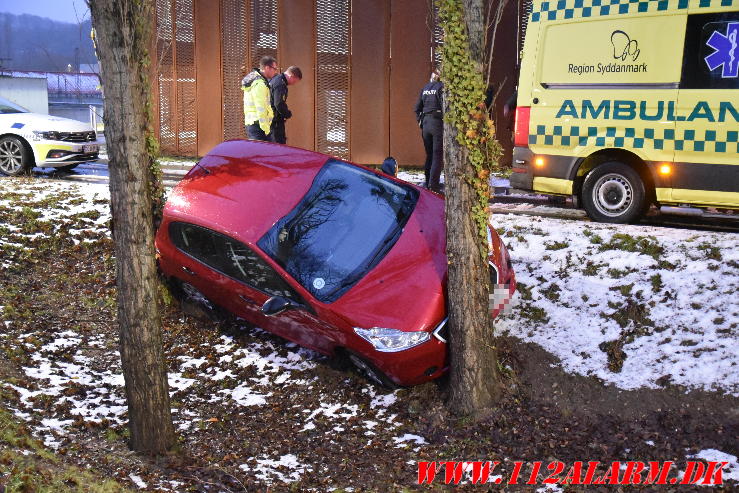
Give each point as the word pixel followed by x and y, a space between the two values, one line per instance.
pixel 278 304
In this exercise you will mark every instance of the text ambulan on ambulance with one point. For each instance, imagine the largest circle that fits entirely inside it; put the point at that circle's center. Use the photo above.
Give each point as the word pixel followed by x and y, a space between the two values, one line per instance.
pixel 625 104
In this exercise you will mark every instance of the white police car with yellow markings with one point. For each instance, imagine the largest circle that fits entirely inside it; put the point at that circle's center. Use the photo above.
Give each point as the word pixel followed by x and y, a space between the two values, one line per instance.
pixel 32 139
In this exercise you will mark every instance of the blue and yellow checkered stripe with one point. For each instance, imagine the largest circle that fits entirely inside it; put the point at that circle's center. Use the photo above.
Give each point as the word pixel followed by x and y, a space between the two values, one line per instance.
pixel 642 138
pixel 554 10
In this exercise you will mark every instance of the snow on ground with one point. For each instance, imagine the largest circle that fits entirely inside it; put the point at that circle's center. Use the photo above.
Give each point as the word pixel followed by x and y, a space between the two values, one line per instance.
pixel 636 306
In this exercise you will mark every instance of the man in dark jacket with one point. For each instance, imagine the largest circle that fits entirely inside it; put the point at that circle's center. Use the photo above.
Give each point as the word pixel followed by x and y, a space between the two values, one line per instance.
pixel 429 113
pixel 278 89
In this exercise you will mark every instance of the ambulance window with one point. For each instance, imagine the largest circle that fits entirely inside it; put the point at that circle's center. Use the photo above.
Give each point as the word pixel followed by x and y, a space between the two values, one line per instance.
pixel 711 60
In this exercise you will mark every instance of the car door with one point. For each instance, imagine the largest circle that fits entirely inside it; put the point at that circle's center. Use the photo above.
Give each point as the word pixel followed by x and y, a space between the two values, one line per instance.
pixel 256 282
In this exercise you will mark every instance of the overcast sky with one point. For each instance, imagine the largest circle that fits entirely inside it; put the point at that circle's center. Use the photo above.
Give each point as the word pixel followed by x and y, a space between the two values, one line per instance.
pixel 58 10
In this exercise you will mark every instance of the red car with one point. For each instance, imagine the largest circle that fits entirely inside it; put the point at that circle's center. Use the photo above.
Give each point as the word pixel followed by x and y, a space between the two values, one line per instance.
pixel 334 256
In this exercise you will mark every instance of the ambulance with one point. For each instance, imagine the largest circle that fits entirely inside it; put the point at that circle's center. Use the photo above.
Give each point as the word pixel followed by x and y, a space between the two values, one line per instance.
pixel 627 103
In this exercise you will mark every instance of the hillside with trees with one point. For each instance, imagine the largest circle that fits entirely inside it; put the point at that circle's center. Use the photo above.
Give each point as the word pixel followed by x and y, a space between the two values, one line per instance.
pixel 29 42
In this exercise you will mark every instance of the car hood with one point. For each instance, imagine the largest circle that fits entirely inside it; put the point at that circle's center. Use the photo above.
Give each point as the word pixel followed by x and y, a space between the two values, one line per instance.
pixel 406 290
pixel 37 121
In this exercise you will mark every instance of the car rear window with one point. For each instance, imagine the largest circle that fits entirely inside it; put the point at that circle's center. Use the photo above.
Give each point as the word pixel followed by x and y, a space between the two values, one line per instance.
pixel 346 223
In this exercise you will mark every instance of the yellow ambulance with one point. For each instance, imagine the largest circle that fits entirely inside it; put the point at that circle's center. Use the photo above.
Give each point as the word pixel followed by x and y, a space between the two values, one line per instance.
pixel 627 103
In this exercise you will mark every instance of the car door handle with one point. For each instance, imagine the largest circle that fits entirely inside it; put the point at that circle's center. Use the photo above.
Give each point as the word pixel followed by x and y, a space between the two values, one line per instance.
pixel 248 300
pixel 188 271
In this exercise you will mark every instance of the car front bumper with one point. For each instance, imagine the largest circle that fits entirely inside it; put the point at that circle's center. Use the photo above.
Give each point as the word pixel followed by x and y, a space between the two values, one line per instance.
pixel 49 153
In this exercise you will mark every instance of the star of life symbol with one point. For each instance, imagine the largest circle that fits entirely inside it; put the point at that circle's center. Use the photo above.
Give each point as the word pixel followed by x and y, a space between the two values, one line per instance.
pixel 726 53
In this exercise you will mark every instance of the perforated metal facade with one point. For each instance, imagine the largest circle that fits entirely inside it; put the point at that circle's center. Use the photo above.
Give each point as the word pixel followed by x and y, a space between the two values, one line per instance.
pixel 175 48
pixel 363 62
pixel 333 48
pixel 234 53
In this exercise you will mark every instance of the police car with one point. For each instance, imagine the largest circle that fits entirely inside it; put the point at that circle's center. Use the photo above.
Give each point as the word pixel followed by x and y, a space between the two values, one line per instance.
pixel 32 139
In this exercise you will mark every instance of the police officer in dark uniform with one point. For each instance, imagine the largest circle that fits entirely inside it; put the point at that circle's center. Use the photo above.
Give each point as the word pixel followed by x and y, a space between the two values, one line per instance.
pixel 429 113
pixel 278 95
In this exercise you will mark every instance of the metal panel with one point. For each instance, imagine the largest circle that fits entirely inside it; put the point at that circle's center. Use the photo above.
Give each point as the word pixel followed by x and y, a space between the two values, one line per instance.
pixel 370 132
pixel 185 72
pixel 208 69
pixel 234 56
pixel 409 70
pixel 165 77
pixel 296 17
pixel 333 77
pixel 175 53
pixel 263 30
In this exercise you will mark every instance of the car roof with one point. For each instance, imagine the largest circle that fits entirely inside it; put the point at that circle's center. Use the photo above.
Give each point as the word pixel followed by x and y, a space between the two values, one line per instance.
pixel 243 187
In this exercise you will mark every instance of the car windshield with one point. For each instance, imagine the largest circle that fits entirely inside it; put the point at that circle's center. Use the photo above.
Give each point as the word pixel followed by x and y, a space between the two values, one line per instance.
pixel 346 223
pixel 10 107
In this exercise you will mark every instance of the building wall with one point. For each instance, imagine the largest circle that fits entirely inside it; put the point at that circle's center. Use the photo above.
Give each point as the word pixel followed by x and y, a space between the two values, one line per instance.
pixel 29 92
pixel 363 62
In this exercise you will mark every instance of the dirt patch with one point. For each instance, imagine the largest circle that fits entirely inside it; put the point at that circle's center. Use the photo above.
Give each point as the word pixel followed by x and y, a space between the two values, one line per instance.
pixel 672 409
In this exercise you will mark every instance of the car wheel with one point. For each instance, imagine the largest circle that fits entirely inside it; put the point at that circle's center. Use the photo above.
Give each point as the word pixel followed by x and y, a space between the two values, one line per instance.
pixel 195 303
pixel 68 167
pixel 614 193
pixel 15 157
pixel 369 371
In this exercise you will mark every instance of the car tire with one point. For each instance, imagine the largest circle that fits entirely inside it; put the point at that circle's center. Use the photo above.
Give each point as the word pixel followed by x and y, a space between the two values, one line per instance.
pixel 614 192
pixel 68 167
pixel 15 157
pixel 195 303
pixel 370 371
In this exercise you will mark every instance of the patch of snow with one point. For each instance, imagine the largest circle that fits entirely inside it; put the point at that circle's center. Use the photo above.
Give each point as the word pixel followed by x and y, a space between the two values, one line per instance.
pixel 669 304
pixel 245 396
pixel 286 469
pixel 309 426
pixel 138 481
pixel 409 437
pixel 730 471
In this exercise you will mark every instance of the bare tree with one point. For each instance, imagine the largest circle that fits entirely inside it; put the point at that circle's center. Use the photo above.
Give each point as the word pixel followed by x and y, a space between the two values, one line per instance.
pixel 474 382
pixel 123 34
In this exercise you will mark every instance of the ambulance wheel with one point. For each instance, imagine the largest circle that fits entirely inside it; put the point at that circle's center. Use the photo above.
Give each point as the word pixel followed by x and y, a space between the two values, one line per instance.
pixel 614 193
pixel 15 157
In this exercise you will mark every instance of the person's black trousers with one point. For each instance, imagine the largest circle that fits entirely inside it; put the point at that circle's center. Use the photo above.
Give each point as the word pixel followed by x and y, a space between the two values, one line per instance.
pixel 278 131
pixel 255 132
pixel 432 133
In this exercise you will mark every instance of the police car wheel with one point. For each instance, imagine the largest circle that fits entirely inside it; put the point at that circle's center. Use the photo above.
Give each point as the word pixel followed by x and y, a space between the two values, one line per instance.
pixel 614 193
pixel 15 158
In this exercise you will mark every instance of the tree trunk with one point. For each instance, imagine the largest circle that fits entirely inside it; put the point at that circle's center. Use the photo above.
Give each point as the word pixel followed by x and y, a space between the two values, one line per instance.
pixel 122 33
pixel 474 380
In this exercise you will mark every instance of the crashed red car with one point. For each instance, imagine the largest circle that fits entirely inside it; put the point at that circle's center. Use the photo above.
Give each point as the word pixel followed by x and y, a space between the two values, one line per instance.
pixel 334 256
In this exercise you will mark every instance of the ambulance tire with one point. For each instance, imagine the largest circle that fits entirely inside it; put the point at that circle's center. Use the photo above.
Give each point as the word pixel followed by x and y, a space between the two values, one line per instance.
pixel 614 192
pixel 15 157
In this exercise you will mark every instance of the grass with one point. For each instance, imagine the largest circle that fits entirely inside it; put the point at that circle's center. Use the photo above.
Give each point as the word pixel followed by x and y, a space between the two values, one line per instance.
pixel 26 465
pixel 645 246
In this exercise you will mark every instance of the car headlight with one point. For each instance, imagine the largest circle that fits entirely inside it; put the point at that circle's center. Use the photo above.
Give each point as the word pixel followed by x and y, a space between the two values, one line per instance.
pixel 391 340
pixel 39 135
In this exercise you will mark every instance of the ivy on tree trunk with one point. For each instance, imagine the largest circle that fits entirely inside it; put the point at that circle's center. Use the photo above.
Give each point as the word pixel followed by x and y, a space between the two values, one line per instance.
pixel 122 29
pixel 470 153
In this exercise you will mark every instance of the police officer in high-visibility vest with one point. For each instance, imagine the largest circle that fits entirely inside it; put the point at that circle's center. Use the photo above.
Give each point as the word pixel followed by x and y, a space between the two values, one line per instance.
pixel 257 104
pixel 429 113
